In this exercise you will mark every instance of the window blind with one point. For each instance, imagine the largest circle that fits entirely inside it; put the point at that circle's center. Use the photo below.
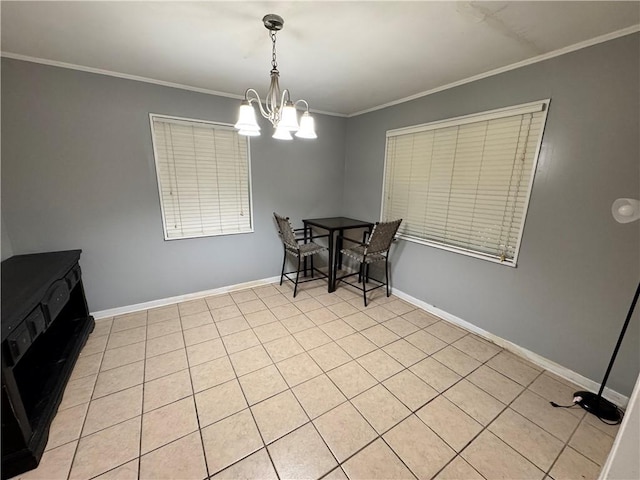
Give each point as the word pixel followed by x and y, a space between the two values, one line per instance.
pixel 464 184
pixel 203 178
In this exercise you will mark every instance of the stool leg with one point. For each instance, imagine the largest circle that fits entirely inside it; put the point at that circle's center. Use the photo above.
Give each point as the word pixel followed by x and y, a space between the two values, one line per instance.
pixel 332 273
pixel 386 274
pixel 364 284
pixel 295 289
pixel 284 261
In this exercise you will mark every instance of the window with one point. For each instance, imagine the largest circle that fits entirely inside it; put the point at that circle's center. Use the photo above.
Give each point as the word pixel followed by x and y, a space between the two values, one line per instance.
pixel 463 184
pixel 203 178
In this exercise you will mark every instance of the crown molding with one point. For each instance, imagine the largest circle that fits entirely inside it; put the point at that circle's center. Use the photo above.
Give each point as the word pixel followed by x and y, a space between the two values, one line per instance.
pixel 513 66
pixel 136 78
pixel 126 76
pixel 556 53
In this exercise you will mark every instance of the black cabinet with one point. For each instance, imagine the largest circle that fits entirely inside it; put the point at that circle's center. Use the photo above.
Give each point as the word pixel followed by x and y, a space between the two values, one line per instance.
pixel 45 324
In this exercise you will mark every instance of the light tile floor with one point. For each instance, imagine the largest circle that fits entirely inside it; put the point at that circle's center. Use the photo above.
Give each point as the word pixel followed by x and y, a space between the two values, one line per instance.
pixel 257 384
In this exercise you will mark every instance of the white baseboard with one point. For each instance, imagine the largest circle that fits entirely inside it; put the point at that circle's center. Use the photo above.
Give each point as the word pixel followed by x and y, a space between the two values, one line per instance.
pixel 542 362
pixel 112 312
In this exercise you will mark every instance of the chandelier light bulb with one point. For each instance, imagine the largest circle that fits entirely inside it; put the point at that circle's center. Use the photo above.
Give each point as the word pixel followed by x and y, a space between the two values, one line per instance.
pixel 247 119
pixel 289 119
pixel 249 133
pixel 307 127
pixel 282 134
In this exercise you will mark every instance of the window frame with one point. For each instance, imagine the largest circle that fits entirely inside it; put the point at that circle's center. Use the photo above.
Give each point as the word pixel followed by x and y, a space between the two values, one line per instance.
pixel 536 106
pixel 190 121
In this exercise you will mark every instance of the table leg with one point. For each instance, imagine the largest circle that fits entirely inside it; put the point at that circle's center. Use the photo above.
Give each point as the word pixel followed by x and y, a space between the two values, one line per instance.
pixel 339 249
pixel 331 273
pixel 304 261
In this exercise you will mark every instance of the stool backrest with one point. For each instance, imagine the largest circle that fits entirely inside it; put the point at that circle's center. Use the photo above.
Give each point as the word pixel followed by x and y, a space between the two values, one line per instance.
pixel 286 232
pixel 382 236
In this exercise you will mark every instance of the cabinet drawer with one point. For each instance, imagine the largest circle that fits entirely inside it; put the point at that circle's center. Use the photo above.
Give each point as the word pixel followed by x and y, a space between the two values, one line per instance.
pixel 36 322
pixel 55 298
pixel 73 277
pixel 18 343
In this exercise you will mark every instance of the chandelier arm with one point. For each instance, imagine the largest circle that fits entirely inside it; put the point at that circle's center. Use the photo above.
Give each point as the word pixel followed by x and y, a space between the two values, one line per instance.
pixel 302 101
pixel 257 100
pixel 285 93
pixel 248 98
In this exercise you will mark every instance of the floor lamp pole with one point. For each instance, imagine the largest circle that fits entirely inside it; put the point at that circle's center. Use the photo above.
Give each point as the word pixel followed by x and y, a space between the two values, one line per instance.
pixel 600 407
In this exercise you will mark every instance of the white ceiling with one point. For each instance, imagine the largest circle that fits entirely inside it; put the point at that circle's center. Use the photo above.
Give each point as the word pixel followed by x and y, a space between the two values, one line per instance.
pixel 343 57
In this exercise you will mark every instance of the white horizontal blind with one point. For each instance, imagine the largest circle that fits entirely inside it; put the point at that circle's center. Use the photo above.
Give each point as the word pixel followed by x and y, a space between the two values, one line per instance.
pixel 203 177
pixel 464 185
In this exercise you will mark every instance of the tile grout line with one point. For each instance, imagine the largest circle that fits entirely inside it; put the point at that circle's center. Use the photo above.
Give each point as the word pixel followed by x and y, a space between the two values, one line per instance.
pixel 566 445
pixel 264 445
pixel 75 452
pixel 486 427
pixel 193 397
pixel 144 377
pixel 105 396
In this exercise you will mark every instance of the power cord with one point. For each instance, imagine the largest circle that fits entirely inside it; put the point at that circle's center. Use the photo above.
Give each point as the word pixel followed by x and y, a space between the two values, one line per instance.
pixel 578 399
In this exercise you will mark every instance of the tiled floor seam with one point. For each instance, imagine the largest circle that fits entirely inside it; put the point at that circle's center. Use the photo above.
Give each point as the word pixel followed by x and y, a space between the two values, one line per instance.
pixel 325 442
pixel 75 452
pixel 379 435
pixel 414 411
pixel 486 427
pixel 144 378
pixel 546 400
pixel 457 455
pixel 83 377
pixel 264 445
pixel 195 404
pixel 566 445
pixel 398 456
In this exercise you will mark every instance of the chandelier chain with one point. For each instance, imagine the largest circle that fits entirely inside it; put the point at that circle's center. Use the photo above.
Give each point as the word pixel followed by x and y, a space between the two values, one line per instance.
pixel 274 62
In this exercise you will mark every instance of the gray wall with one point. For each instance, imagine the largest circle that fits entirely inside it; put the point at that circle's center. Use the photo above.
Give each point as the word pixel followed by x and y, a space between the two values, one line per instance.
pixel 578 268
pixel 78 172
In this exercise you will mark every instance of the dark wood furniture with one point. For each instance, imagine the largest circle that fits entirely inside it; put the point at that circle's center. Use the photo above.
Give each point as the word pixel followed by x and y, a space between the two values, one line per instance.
pixel 45 324
pixel 333 225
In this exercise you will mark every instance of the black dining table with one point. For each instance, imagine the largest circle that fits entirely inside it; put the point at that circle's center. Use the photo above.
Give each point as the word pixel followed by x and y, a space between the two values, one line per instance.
pixel 333 225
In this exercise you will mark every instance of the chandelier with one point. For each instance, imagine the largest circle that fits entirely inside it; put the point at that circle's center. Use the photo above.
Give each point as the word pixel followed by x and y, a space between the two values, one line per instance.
pixel 278 107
